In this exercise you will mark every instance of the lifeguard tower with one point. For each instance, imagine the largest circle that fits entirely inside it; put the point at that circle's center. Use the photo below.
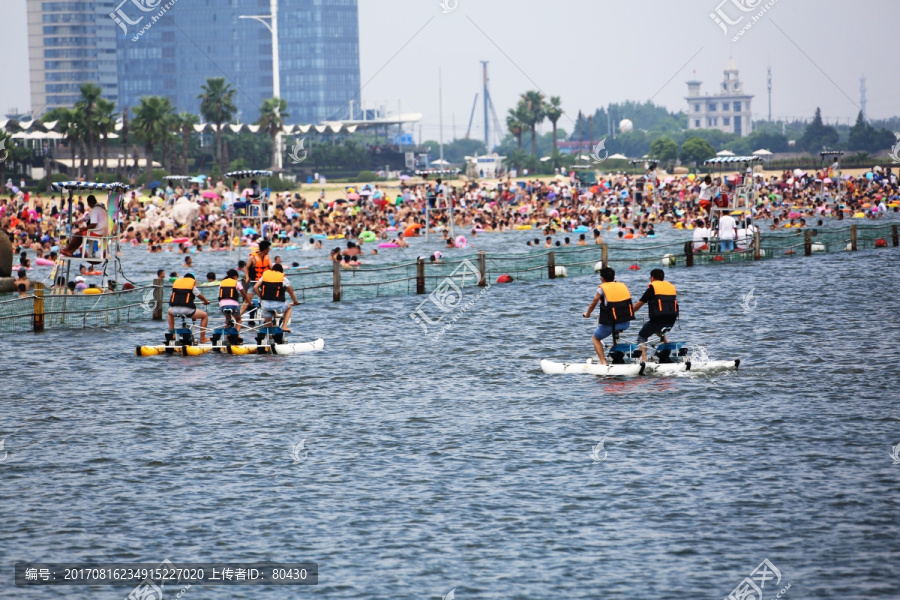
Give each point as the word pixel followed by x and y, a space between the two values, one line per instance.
pixel 251 211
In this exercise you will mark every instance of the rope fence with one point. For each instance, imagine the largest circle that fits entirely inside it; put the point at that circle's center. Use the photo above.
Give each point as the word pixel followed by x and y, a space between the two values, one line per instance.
pixel 41 311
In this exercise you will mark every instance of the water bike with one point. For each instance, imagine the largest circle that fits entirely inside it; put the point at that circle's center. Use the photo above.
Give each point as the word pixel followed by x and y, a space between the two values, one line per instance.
pixel 624 360
pixel 227 340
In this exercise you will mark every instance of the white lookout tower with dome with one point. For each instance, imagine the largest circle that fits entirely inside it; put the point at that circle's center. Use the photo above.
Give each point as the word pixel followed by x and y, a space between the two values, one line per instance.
pixel 727 111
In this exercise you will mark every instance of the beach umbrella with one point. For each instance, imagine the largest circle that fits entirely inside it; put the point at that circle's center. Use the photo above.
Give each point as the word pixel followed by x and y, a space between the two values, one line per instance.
pixel 404 177
pixel 353 196
pixel 210 195
pixel 827 180
pixel 12 188
pixel 249 231
pixel 798 173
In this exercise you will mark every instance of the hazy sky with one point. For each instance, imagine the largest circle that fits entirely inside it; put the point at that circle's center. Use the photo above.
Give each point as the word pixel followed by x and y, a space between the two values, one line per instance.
pixel 592 52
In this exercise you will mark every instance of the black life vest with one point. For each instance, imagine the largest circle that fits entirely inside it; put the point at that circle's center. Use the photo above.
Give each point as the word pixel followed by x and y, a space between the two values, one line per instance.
pixel 617 308
pixel 183 293
pixel 664 304
pixel 272 287
pixel 228 290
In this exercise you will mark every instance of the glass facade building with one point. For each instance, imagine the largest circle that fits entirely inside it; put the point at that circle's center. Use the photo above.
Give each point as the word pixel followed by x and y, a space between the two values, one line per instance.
pixel 193 40
pixel 70 43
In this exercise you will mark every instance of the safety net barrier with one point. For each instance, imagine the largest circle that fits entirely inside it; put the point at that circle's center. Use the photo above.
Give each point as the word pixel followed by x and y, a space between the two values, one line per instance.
pixel 448 278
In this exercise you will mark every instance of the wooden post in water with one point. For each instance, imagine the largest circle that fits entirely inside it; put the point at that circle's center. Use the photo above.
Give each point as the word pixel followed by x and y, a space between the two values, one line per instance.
pixel 551 265
pixel 482 268
pixel 757 252
pixel 336 282
pixel 689 254
pixel 38 320
pixel 895 234
pixel 604 255
pixel 420 275
pixel 807 242
pixel 157 300
pixel 853 245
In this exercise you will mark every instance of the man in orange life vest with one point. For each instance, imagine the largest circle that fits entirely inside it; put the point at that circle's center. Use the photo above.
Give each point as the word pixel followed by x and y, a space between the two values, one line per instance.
pixel 271 289
pixel 230 289
pixel 257 264
pixel 615 309
pixel 181 303
pixel 661 301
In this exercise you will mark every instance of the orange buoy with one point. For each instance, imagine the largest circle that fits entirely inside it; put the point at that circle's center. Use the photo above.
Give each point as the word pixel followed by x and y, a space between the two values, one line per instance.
pixel 718 258
pixel 789 252
pixel 504 279
pixel 881 243
pixel 634 268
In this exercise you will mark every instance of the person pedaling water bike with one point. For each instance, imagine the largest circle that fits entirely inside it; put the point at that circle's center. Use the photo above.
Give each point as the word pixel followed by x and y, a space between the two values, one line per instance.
pixel 181 304
pixel 662 302
pixel 257 264
pixel 616 312
pixel 230 290
pixel 271 289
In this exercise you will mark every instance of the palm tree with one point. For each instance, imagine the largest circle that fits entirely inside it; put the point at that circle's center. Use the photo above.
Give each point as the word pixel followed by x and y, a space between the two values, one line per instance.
pixel 271 120
pixel 70 123
pixel 554 112
pixel 217 106
pixel 106 125
pixel 151 126
pixel 186 122
pixel 534 114
pixel 90 93
pixel 515 126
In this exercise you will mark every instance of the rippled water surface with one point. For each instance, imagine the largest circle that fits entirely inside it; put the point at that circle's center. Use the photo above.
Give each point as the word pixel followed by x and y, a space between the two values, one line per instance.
pixel 457 463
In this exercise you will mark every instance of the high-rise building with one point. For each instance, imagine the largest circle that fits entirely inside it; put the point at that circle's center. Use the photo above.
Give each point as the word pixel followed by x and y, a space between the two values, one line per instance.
pixel 193 41
pixel 70 43
pixel 135 48
pixel 727 111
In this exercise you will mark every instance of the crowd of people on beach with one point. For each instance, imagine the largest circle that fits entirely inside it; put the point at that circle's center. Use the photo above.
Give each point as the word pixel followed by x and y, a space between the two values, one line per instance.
pixel 618 206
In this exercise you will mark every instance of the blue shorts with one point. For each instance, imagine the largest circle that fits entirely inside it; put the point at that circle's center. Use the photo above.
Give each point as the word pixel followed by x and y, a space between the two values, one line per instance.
pixel 651 327
pixel 726 245
pixel 271 307
pixel 604 331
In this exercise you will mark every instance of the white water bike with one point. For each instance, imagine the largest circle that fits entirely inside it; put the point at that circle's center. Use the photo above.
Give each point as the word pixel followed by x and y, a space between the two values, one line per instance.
pixel 624 360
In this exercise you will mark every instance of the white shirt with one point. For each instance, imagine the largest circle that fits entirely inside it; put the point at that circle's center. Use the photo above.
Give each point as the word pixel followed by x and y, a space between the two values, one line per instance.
pixel 727 225
pixel 699 234
pixel 705 192
pixel 99 220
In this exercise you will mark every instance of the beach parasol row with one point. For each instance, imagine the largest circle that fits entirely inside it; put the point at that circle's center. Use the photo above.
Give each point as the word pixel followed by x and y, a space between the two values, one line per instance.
pixel 730 159
pixel 88 185
pixel 242 174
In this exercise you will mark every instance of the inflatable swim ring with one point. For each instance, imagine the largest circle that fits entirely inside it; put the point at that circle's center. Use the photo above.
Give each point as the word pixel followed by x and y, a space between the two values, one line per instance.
pixel 43 262
pixel 93 273
pixel 320 236
pixel 181 240
pixel 368 236
pixel 580 229
pixel 388 245
pixel 461 242
pixel 524 227
pixel 93 291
